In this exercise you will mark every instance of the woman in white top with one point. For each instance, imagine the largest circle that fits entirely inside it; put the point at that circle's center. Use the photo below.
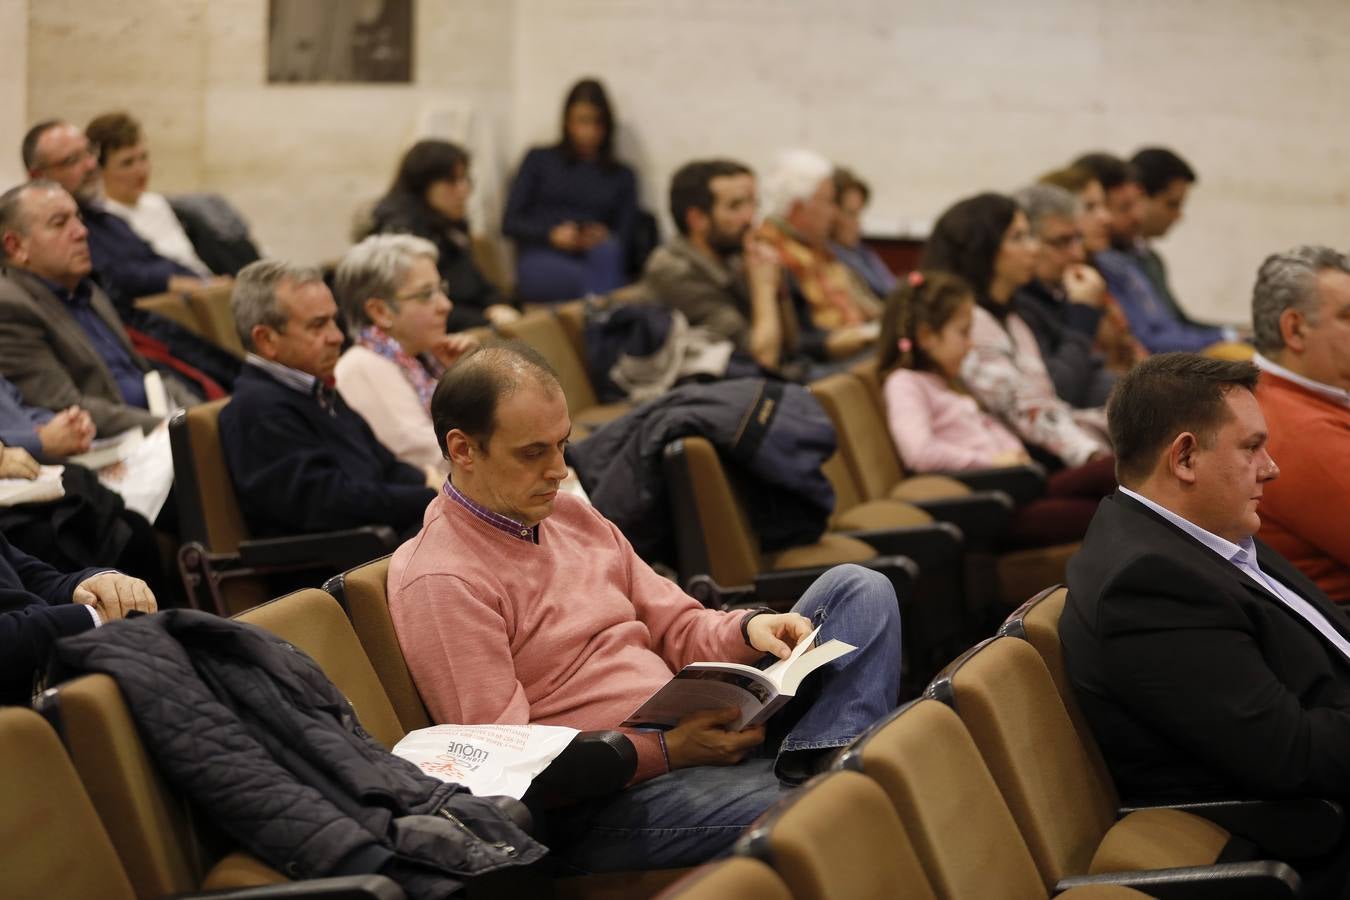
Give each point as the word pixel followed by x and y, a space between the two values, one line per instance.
pixel 395 304
pixel 125 161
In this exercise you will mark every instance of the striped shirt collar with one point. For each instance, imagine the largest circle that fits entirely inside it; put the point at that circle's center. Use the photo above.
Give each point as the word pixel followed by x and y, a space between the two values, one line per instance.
pixel 1340 395
pixel 518 530
pixel 292 378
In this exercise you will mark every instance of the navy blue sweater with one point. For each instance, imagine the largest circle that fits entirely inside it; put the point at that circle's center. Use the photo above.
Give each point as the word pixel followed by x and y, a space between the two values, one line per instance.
pixel 35 610
pixel 550 189
pixel 299 469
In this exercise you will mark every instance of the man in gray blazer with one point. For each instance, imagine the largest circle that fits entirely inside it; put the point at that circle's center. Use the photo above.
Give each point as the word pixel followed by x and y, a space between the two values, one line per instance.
pixel 61 342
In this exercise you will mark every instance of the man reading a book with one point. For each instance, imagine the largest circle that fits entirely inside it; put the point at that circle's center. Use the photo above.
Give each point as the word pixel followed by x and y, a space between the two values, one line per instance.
pixel 519 604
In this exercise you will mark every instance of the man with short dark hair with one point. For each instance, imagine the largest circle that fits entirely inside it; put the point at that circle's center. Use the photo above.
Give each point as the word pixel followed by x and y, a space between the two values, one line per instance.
pixel 1154 318
pixel 1301 319
pixel 301 460
pixel 1206 664
pixel 1165 180
pixel 58 151
pixel 519 604
pixel 714 271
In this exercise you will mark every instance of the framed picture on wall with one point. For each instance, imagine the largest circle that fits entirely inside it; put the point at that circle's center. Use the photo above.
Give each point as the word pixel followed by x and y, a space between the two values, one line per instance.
pixel 311 41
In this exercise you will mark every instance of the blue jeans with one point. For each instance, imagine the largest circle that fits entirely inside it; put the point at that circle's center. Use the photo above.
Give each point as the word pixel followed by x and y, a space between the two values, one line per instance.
pixel 689 816
pixel 546 275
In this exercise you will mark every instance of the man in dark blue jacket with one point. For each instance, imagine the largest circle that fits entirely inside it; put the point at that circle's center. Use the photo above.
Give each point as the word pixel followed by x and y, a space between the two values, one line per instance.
pixel 301 460
pixel 38 604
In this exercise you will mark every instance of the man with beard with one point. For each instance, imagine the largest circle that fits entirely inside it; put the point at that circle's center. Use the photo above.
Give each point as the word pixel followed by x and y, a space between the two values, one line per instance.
pixel 715 271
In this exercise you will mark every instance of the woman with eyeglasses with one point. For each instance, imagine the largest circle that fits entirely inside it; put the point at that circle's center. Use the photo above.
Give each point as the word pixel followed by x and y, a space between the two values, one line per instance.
pixel 987 240
pixel 429 198
pixel 396 306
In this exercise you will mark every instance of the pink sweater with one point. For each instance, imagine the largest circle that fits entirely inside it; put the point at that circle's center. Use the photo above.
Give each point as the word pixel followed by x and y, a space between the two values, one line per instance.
pixel 575 630
pixel 936 429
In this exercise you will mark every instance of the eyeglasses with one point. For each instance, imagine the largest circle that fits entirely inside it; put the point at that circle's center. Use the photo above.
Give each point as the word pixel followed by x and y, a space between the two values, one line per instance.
pixel 426 295
pixel 89 151
pixel 1064 242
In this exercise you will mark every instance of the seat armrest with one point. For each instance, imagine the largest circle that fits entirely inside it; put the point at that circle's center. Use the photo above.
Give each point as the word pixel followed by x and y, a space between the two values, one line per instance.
pixel 342 549
pixel 1295 828
pixel 781 590
pixel 1021 483
pixel 930 546
pixel 981 516
pixel 345 887
pixel 1261 880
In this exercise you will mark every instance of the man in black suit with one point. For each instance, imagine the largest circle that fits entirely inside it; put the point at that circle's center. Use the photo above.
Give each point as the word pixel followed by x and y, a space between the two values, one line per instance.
pixel 1206 664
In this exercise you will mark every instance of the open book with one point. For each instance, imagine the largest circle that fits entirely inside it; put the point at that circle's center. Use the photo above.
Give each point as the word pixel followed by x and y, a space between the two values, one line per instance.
pixel 717 685
pixel 46 486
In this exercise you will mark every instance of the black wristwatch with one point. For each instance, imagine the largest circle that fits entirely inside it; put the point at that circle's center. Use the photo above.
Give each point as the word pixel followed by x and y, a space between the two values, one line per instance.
pixel 745 622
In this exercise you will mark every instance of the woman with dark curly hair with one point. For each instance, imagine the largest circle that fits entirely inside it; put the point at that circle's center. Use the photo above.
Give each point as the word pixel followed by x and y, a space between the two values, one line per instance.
pixel 429 199
pixel 572 206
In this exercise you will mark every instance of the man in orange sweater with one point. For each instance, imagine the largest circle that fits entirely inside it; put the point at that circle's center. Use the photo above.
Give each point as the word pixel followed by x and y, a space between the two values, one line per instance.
pixel 1301 319
pixel 518 604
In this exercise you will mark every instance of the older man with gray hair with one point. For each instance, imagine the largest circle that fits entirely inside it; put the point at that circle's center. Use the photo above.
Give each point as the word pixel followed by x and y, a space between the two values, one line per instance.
pixel 395 303
pixel 1062 305
pixel 835 309
pixel 301 460
pixel 1301 320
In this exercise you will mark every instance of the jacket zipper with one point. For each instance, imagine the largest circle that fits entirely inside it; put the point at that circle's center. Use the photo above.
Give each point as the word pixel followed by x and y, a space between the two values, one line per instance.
pixel 503 846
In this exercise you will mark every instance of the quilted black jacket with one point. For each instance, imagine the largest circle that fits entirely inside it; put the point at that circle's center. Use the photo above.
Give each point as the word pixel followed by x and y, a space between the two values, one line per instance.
pixel 249 728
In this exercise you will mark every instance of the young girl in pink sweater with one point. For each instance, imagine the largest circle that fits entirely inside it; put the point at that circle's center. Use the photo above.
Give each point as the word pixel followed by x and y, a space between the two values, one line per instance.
pixel 938 427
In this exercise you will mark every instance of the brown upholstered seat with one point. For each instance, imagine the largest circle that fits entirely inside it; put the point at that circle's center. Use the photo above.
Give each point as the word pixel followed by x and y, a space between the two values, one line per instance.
pixel 961 829
pixel 839 836
pixel 175 307
pixel 52 843
pixel 312 620
pixel 713 530
pixel 543 331
pixel 869 454
pixel 211 306
pixel 1037 621
pixel 223 566
pixel 740 877
pixel 364 593
pixel 159 848
pixel 1008 702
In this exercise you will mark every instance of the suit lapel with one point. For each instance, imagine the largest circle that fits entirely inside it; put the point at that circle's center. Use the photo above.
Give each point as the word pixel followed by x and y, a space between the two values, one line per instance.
pixel 64 325
pixel 1271 563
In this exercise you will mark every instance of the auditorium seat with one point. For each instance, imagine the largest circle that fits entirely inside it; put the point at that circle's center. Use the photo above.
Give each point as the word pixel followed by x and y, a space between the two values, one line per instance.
pixel 312 620
pixel 363 593
pixel 964 499
pixel 838 836
pixel 740 877
pixel 1291 828
pixel 175 307
pixel 964 835
pixel 212 308
pixel 162 850
pixel 223 566
pixel 543 331
pixel 1008 702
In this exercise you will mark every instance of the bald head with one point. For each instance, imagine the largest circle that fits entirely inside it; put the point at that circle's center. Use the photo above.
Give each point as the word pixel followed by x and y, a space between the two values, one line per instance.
pixel 469 394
